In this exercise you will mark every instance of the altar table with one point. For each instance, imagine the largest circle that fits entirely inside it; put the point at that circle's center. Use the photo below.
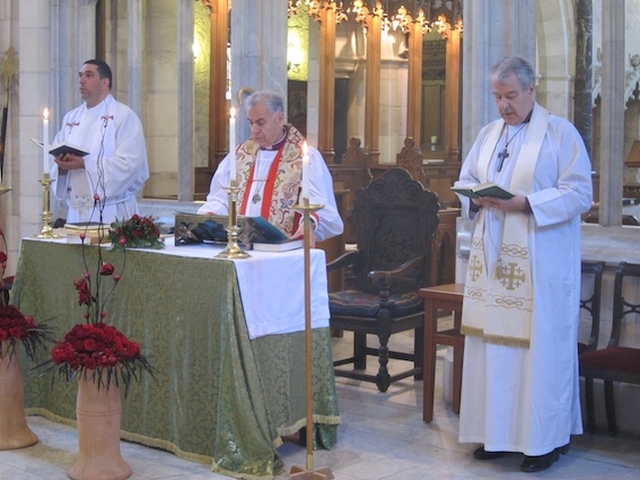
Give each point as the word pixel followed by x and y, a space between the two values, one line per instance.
pixel 217 395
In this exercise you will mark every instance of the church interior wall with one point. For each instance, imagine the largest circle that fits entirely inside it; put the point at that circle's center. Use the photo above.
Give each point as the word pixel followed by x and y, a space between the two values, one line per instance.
pixel 393 98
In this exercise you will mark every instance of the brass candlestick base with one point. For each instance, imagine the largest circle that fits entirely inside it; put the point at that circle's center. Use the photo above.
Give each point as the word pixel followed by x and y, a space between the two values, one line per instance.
pixel 308 473
pixel 233 248
pixel 47 230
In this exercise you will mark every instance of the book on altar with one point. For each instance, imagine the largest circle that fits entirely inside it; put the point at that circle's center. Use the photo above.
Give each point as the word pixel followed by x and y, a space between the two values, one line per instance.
pixel 283 246
pixel 66 147
pixel 263 231
pixel 489 189
pixel 193 228
pixel 85 225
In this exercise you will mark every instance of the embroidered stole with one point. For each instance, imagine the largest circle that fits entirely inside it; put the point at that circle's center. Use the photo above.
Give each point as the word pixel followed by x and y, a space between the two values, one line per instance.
pixel 498 305
pixel 282 186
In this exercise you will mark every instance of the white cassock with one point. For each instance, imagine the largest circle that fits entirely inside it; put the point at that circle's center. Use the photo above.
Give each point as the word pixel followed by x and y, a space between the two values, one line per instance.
pixel 113 135
pixel 528 400
pixel 320 192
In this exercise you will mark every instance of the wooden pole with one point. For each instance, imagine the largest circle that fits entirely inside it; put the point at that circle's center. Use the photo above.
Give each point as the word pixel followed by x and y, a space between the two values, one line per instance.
pixel 308 473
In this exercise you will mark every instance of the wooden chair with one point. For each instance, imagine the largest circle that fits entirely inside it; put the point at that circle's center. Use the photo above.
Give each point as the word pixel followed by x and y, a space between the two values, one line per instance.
pixel 615 363
pixel 591 304
pixel 395 220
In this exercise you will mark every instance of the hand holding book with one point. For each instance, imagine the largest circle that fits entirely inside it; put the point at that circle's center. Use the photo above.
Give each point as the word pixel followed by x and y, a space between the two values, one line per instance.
pixel 488 189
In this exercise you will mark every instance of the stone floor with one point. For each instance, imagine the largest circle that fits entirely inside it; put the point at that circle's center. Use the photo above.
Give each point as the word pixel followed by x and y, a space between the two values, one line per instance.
pixel 382 436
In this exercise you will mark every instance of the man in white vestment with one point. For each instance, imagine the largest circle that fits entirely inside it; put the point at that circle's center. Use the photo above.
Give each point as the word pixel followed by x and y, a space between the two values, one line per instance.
pixel 520 390
pixel 269 174
pixel 101 186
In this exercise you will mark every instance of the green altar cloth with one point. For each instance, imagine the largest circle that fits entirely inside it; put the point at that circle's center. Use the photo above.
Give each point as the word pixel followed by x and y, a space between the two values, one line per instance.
pixel 217 395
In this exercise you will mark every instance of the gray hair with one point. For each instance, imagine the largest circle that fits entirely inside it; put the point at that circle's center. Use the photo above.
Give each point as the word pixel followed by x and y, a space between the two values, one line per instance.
pixel 517 66
pixel 273 100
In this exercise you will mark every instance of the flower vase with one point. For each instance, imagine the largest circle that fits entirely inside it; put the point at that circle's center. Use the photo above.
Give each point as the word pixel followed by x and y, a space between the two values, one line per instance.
pixel 14 431
pixel 99 414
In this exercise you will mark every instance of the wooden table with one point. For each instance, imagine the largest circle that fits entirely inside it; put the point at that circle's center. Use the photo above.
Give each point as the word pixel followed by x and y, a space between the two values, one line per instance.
pixel 441 298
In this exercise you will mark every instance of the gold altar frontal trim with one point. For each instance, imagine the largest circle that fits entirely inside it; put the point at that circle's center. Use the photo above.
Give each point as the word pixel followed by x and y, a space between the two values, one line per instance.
pixel 495 339
pixel 317 419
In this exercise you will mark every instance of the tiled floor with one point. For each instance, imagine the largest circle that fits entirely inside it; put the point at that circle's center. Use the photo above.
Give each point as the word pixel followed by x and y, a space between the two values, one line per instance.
pixel 382 436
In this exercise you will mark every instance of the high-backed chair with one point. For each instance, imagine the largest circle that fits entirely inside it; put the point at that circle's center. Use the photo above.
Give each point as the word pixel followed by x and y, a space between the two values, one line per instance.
pixel 615 363
pixel 395 220
pixel 591 272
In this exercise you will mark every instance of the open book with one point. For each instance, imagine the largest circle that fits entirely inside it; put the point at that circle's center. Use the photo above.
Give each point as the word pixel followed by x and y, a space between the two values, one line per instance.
pixel 488 189
pixel 64 147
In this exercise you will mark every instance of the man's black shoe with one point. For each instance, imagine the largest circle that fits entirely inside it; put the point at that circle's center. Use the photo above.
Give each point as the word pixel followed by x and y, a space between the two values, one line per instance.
pixel 481 454
pixel 540 462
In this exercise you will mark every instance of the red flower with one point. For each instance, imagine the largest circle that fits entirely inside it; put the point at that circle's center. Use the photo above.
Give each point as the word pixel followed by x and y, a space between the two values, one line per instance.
pixel 84 295
pixel 106 269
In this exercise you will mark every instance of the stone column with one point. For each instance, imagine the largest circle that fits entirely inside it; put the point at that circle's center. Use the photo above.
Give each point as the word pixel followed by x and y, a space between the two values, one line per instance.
pixel 135 47
pixel 258 52
pixel 492 30
pixel 583 108
pixel 612 113
pixel 186 180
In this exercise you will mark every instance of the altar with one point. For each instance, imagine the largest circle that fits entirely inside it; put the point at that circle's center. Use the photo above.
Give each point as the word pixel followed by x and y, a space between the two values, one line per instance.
pixel 218 395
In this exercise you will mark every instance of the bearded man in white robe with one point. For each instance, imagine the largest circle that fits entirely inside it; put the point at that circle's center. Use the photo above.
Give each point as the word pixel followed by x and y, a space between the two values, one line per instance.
pixel 520 382
pixel 101 186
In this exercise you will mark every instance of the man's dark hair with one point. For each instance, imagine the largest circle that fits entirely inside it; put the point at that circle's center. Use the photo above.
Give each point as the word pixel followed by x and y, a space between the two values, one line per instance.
pixel 103 69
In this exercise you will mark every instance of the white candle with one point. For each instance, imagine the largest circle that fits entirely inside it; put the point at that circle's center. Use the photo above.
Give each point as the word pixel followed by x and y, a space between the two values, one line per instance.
pixel 232 146
pixel 305 171
pixel 45 141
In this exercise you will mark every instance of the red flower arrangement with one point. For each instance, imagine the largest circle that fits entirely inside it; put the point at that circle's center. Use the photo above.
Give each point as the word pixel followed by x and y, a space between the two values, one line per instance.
pixel 137 232
pixel 15 327
pixel 95 349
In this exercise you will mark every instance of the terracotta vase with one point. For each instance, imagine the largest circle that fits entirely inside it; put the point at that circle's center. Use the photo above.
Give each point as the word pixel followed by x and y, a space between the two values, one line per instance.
pixel 14 431
pixel 99 413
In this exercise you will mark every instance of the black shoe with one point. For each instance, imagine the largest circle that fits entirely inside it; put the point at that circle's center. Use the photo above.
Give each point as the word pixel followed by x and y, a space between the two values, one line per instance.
pixel 481 454
pixel 542 462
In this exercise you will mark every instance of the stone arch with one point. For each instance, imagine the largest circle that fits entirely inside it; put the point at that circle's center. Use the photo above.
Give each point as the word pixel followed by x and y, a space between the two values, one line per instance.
pixel 556 54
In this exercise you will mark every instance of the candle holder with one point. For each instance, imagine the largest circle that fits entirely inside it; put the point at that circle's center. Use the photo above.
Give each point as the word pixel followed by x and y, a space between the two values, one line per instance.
pixel 308 472
pixel 47 230
pixel 233 248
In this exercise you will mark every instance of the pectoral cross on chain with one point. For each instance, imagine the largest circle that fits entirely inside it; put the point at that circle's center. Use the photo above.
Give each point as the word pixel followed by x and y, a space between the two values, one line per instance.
pixel 501 156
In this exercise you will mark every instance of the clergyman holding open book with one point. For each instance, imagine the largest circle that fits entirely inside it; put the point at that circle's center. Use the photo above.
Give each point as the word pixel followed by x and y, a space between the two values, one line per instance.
pixel 520 390
pixel 116 165
pixel 269 174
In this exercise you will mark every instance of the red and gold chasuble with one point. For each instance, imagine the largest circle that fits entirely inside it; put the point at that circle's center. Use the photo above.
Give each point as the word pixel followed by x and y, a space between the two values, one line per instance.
pixel 282 186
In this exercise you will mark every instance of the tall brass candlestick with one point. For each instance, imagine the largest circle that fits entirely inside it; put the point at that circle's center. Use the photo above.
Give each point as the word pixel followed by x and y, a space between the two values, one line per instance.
pixel 233 249
pixel 308 473
pixel 47 230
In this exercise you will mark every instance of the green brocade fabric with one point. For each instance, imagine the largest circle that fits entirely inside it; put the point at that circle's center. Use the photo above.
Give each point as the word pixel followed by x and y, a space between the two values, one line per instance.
pixel 217 396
